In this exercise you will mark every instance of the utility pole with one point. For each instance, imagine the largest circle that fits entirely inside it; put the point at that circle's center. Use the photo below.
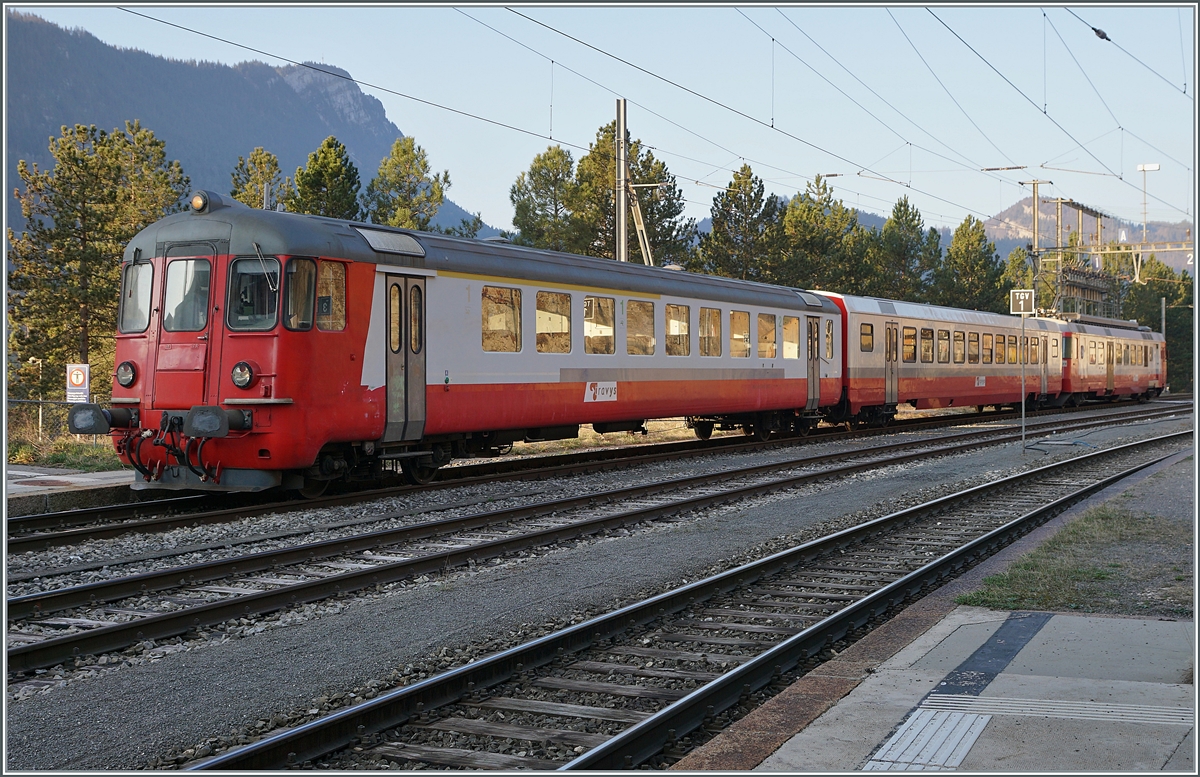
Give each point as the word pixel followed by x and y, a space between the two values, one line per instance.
pixel 622 187
pixel 1037 206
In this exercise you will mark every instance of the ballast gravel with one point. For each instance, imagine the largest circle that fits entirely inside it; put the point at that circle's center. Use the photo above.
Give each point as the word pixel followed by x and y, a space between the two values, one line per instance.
pixel 175 701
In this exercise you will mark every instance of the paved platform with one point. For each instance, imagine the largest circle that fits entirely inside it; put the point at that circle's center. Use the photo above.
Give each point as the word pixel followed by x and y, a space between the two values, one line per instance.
pixel 30 490
pixel 944 687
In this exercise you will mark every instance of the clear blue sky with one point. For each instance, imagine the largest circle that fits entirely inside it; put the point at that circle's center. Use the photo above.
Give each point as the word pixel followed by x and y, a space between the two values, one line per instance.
pixel 1080 111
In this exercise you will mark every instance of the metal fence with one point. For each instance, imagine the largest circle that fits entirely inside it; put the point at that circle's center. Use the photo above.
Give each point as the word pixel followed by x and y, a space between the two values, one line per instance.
pixel 39 421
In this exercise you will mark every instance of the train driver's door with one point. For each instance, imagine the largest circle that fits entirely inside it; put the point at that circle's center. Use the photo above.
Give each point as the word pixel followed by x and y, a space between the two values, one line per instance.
pixel 814 362
pixel 891 355
pixel 405 297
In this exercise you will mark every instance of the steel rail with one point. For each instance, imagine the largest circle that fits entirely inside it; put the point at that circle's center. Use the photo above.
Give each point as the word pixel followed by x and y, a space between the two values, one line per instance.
pixel 643 740
pixel 575 463
pixel 119 635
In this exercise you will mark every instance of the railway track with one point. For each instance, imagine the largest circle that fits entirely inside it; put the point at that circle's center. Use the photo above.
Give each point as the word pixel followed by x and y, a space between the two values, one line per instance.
pixel 644 684
pixel 58 624
pixel 73 526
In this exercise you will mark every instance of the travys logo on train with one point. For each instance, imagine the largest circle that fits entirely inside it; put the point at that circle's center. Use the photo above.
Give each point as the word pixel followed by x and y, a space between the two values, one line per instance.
pixel 600 392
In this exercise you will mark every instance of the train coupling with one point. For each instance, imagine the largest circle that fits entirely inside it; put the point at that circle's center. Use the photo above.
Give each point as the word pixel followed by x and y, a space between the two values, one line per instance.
pixel 213 421
pixel 93 419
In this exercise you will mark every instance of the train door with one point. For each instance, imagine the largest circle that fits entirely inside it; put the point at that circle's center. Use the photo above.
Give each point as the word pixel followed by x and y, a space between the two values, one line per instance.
pixel 405 358
pixel 185 326
pixel 1108 366
pixel 891 355
pixel 814 362
pixel 1045 365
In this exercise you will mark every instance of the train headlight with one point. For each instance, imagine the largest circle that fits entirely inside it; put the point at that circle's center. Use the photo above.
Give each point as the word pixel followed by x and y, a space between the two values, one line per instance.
pixel 126 374
pixel 242 374
pixel 199 202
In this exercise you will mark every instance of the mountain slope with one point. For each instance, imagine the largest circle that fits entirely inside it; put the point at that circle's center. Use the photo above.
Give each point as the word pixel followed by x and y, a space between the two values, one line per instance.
pixel 208 114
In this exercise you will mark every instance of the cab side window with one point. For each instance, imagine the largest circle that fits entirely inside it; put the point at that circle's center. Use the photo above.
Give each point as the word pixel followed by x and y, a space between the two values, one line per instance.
pixel 299 285
pixel 331 297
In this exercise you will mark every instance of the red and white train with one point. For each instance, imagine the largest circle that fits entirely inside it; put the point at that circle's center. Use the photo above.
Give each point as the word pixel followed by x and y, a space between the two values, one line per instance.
pixel 258 349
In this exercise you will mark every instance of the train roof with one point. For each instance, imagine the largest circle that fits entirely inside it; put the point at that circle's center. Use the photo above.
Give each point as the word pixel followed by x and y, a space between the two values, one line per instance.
pixel 234 228
pixel 892 307
pixel 1141 333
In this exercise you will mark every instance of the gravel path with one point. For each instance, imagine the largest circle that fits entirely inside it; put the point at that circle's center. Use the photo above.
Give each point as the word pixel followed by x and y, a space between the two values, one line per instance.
pixel 129 718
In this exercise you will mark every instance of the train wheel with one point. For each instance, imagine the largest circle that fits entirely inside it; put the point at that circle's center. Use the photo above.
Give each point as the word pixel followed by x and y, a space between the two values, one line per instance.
pixel 759 432
pixel 703 429
pixel 418 474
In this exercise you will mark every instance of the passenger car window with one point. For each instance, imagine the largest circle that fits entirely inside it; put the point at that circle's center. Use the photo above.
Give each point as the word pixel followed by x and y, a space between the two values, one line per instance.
pixel 501 312
pixel 300 282
pixel 1091 351
pixel 987 349
pixel 253 293
pixel 791 337
pixel 1012 349
pixel 552 330
pixel 973 348
pixel 679 337
pixel 135 296
pixel 829 338
pixel 739 333
pixel 599 321
pixel 639 328
pixel 866 337
pixel 766 336
pixel 999 349
pixel 331 297
pixel 394 313
pixel 910 344
pixel 960 347
pixel 1034 355
pixel 927 345
pixel 943 346
pixel 416 331
pixel 185 304
pixel 710 332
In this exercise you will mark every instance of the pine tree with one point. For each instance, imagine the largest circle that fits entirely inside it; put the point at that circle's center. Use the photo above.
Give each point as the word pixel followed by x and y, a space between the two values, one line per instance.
pixel 970 274
pixel 65 283
pixel 403 194
pixel 904 255
pixel 328 185
pixel 542 198
pixel 745 239
pixel 594 204
pixel 826 247
pixel 258 176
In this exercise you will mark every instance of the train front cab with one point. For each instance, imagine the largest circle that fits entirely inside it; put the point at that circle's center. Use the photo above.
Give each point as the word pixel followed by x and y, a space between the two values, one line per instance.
pixel 236 362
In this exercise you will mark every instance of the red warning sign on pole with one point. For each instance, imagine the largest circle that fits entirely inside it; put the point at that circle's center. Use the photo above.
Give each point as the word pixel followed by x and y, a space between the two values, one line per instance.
pixel 78 382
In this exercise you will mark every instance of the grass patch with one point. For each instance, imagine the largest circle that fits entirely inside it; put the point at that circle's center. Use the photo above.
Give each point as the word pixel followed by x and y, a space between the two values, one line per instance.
pixel 1109 560
pixel 66 452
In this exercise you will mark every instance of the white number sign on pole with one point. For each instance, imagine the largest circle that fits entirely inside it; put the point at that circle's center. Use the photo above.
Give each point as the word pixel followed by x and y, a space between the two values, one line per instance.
pixel 78 382
pixel 1020 302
